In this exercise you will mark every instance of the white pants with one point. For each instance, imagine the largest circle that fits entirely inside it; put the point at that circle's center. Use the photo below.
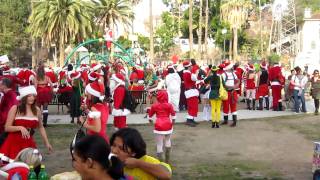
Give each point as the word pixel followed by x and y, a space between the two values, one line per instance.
pixel 160 138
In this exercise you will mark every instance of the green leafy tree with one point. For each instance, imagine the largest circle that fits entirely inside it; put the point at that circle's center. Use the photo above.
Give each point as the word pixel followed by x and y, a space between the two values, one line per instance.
pixel 13 23
pixel 166 32
pixel 235 13
pixel 61 21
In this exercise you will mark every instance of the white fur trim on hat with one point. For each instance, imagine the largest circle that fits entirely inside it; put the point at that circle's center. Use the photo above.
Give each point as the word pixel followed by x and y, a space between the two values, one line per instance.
pixel 94 114
pixel 230 66
pixel 14 165
pixel 115 78
pixel 96 67
pixel 93 92
pixel 25 91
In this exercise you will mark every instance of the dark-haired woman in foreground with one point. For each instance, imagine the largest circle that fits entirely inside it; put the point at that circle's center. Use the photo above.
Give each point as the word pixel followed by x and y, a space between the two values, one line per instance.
pixel 92 159
pixel 128 145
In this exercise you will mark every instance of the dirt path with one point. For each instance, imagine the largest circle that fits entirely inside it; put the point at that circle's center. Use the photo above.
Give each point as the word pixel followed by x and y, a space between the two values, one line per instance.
pixel 282 148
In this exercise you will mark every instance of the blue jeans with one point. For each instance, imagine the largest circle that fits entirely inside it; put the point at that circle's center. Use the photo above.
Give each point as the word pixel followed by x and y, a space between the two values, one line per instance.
pixel 297 100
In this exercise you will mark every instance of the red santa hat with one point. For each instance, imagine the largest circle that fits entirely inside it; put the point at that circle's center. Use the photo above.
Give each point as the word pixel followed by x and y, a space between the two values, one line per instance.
pixel 93 76
pixel 84 67
pixel 5 68
pixel 16 168
pixel 186 63
pixel 118 77
pixel 227 65
pixel 95 66
pixel 75 75
pixel 250 67
pixel 170 66
pixel 95 90
pixel 264 64
pixel 25 91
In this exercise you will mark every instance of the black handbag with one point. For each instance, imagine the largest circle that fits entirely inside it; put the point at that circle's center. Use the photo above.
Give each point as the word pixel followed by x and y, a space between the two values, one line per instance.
pixel 79 135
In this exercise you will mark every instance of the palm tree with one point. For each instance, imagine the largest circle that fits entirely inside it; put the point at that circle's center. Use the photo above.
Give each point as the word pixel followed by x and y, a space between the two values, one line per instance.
pixel 190 28
pixel 112 13
pixel 235 12
pixel 61 21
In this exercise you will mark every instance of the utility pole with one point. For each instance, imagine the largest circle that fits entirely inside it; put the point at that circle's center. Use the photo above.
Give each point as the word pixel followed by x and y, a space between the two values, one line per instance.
pixel 260 29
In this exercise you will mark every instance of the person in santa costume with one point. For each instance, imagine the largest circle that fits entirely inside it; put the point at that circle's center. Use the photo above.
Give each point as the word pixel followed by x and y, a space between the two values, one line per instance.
pixel 277 81
pixel 97 68
pixel 7 73
pixel 97 111
pixel 263 86
pixel 22 120
pixel 251 87
pixel 44 91
pixel 173 82
pixel 239 72
pixel 118 91
pixel 64 89
pixel 25 76
pixel 191 93
pixel 163 126
pixel 231 82
pixel 7 101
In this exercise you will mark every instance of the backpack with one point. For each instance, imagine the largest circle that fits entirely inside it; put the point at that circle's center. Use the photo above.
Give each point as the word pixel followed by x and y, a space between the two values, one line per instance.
pixel 128 102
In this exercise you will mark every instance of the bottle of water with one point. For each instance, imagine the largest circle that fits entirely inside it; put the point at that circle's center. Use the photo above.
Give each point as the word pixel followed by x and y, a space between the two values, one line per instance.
pixel 32 175
pixel 43 175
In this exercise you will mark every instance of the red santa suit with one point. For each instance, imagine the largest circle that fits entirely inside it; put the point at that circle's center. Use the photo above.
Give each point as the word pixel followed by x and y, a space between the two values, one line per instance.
pixel 8 100
pixel 230 105
pixel 277 82
pixel 103 115
pixel 239 72
pixel 191 92
pixel 118 90
pixel 163 110
pixel 53 78
pixel 26 77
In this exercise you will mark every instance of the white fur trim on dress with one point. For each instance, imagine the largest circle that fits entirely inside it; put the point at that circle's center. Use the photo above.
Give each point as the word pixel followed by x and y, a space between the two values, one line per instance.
pixel 189 117
pixel 92 91
pixel 14 165
pixel 173 117
pixel 26 118
pixel 191 93
pixel 120 112
pixel 94 114
pixel 234 113
pixel 25 91
pixel 163 132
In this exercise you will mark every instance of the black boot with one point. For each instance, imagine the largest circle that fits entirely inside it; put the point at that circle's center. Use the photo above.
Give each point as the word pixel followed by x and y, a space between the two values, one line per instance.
pixel 267 102
pixel 316 105
pixel 280 106
pixel 225 120
pixel 234 119
pixel 72 120
pixel 217 125
pixel 45 119
pixel 213 125
pixel 190 123
pixel 253 104
pixel 194 122
pixel 260 104
pixel 248 104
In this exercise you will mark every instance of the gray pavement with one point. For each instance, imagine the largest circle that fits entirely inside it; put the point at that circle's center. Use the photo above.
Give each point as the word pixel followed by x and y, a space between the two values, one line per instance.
pixel 55 118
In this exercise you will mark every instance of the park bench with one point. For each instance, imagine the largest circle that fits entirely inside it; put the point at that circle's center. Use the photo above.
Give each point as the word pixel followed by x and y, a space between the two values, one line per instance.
pixel 55 102
pixel 140 98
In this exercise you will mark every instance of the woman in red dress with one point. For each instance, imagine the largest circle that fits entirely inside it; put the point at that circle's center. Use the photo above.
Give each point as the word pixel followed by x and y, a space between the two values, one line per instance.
pixel 21 122
pixel 98 111
pixel 44 90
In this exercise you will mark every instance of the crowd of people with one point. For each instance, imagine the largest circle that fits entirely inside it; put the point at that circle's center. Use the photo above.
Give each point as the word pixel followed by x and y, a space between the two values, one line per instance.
pixel 94 92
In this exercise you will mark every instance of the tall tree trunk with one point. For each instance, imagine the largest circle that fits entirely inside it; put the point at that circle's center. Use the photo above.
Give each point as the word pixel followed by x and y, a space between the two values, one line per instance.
pixel 33 50
pixel 61 50
pixel 230 49
pixel 151 56
pixel 235 44
pixel 200 32
pixel 190 29
pixel 260 29
pixel 206 31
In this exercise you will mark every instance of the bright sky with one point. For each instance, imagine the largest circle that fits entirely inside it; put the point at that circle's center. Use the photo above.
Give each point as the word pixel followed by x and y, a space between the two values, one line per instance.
pixel 142 15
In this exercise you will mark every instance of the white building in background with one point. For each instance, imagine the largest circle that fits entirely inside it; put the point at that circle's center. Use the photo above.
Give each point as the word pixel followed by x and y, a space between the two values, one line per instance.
pixel 309 42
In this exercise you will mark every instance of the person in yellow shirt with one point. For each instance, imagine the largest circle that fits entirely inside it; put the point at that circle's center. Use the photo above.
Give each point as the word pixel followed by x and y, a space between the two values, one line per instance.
pixel 128 145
